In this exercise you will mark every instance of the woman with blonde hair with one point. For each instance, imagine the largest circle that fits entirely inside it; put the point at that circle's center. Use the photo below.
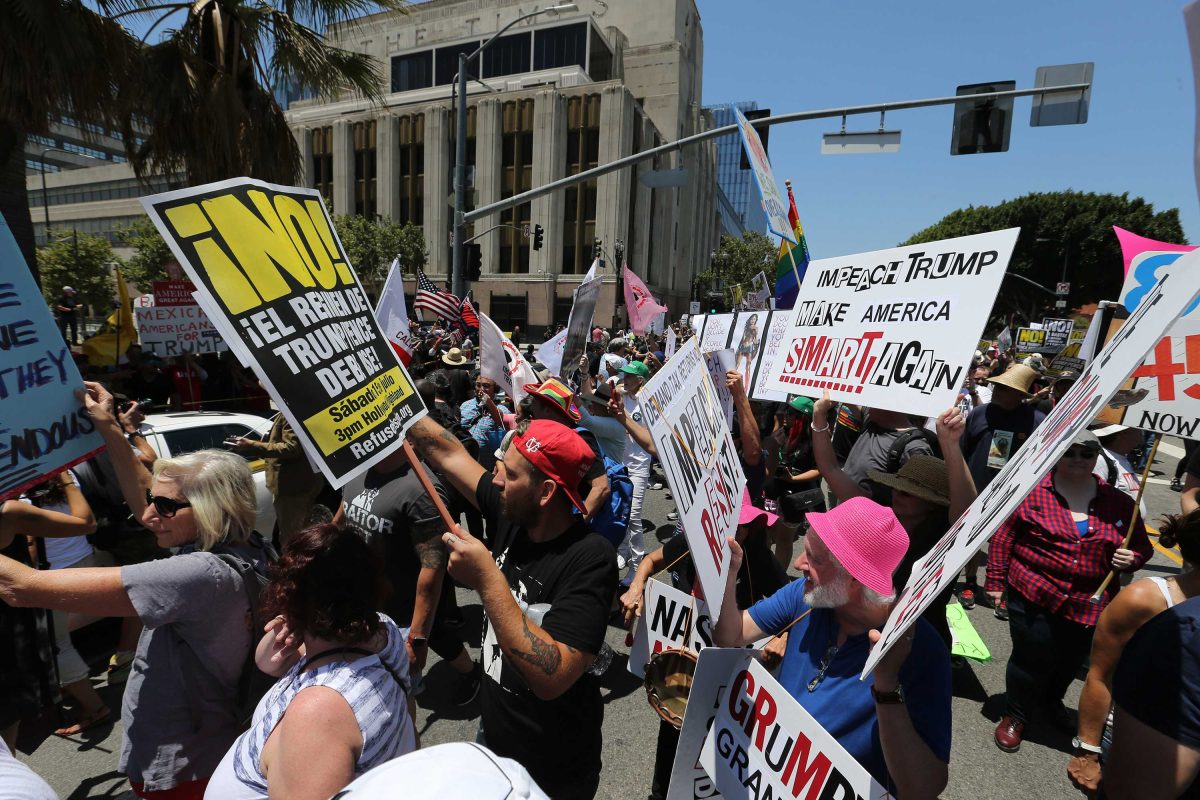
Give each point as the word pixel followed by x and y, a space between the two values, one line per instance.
pixel 180 706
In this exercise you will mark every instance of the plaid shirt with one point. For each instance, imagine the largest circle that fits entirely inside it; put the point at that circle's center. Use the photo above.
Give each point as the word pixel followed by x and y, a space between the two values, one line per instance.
pixel 1038 550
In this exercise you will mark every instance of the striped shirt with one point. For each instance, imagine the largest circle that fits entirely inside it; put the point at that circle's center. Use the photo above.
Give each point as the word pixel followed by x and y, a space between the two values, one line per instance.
pixel 369 685
pixel 1038 550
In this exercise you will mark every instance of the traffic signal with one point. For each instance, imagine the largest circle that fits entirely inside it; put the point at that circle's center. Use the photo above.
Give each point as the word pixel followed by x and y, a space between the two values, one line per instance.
pixel 597 248
pixel 982 126
pixel 474 261
pixel 537 237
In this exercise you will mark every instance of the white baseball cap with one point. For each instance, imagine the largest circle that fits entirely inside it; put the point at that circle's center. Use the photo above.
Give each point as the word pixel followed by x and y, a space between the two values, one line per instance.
pixel 447 772
pixel 70 289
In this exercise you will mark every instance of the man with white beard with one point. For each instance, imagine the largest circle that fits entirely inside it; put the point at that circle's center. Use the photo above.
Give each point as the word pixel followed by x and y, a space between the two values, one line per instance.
pixel 896 723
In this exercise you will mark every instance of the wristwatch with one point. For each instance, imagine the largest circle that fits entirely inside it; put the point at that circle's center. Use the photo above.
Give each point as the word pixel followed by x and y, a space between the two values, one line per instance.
pixel 1077 744
pixel 418 641
pixel 894 697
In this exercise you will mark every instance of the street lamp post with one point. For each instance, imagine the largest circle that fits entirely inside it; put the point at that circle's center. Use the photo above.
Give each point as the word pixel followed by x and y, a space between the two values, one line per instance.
pixel 45 197
pixel 457 284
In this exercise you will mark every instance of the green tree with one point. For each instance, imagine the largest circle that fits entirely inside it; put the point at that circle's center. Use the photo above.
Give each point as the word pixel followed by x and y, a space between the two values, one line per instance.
pixel 150 256
pixel 736 261
pixel 408 242
pixel 83 262
pixel 371 244
pixel 1060 231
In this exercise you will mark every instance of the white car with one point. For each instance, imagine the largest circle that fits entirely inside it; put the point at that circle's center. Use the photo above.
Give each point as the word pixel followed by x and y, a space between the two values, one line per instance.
pixel 180 432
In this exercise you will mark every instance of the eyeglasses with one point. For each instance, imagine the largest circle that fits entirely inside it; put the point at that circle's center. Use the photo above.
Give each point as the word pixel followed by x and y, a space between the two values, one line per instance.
pixel 165 506
pixel 1080 452
pixel 825 662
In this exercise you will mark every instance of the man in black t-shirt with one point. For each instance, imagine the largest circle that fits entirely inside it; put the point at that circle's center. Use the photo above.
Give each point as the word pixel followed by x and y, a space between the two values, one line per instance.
pixel 546 587
pixel 389 508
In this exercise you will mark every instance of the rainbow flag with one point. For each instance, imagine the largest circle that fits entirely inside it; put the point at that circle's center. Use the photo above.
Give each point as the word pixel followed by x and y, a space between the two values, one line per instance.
pixel 786 286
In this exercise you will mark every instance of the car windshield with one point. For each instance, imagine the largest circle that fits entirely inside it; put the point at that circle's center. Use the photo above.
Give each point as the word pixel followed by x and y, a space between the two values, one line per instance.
pixel 200 437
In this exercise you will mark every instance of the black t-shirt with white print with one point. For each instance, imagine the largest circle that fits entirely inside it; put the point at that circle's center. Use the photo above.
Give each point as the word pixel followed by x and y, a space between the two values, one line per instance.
pixel 575 575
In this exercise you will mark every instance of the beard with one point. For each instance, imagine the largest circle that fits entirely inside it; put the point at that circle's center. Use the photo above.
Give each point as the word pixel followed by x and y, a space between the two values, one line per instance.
pixel 830 595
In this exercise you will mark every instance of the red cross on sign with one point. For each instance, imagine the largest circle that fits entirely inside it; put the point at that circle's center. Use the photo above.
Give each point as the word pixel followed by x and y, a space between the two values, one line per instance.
pixel 1163 367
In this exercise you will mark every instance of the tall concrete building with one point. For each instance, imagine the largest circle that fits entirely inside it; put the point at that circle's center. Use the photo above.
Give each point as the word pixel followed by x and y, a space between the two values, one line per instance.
pixel 744 211
pixel 557 94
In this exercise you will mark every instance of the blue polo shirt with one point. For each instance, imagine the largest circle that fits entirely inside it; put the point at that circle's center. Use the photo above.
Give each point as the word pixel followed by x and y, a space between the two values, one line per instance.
pixel 840 702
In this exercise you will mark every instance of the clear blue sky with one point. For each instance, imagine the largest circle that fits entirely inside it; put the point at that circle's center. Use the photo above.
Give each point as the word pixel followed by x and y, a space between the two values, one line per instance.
pixel 795 56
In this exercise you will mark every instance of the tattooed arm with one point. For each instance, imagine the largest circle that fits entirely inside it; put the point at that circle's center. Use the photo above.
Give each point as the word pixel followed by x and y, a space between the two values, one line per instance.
pixel 432 554
pixel 446 456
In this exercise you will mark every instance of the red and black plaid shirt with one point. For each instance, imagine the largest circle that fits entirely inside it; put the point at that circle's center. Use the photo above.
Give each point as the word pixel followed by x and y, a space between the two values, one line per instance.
pixel 1038 550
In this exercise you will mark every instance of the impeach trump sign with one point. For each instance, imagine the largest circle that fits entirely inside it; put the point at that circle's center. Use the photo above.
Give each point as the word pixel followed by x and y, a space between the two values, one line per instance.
pixel 893 328
pixel 273 278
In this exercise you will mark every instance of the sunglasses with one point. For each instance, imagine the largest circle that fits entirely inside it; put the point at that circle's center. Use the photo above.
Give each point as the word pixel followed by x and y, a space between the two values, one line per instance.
pixel 165 506
pixel 1080 452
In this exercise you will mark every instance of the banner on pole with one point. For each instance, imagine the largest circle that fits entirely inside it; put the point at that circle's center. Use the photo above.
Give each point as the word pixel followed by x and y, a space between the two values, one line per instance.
pixel 44 428
pixel 501 360
pixel 173 330
pixel 273 278
pixel 893 328
pixel 1102 378
pixel 579 325
pixel 773 203
pixel 757 710
pixel 680 406
pixel 551 352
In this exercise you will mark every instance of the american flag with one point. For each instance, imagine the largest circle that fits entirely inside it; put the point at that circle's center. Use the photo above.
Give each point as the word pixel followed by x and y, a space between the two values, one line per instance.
pixel 437 301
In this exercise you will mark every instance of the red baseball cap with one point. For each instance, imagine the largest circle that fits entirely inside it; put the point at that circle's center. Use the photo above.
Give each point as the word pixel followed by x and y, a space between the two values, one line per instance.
pixel 559 452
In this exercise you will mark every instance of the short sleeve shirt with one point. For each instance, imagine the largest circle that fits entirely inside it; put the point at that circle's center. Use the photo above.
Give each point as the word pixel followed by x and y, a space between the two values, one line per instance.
pixel 179 709
pixel 870 452
pixel 993 435
pixel 840 702
pixel 568 582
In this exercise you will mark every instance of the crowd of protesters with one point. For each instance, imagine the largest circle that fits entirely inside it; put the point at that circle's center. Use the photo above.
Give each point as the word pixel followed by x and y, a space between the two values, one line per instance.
pixel 286 663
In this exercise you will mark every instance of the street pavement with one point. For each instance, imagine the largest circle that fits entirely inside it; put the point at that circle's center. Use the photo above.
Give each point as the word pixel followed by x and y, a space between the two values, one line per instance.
pixel 85 766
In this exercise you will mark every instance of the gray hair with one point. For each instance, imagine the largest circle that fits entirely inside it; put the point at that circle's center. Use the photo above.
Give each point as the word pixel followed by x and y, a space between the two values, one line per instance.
pixel 870 596
pixel 220 488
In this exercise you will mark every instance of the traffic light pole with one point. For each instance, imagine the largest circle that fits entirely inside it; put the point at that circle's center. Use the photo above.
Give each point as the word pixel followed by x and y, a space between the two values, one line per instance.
pixel 496 227
pixel 799 116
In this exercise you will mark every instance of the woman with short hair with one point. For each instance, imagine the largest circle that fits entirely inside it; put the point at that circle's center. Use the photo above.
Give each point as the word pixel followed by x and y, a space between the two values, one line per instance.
pixel 340 707
pixel 180 710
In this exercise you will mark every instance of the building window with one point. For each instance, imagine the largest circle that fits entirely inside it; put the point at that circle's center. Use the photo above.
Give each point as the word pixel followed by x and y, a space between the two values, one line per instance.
pixel 563 46
pixel 579 213
pixel 562 309
pixel 108 228
pixel 508 55
pixel 364 168
pixel 516 177
pixel 322 156
pixel 413 71
pixel 44 141
pixel 509 310
pixel 36 165
pixel 410 153
pixel 445 60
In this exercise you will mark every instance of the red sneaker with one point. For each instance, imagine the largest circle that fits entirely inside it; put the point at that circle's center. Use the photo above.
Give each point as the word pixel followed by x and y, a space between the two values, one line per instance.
pixel 966 597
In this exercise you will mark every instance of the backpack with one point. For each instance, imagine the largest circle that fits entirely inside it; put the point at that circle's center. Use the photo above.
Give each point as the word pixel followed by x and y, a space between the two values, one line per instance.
pixel 612 521
pixel 1111 477
pixel 253 683
pixel 896 451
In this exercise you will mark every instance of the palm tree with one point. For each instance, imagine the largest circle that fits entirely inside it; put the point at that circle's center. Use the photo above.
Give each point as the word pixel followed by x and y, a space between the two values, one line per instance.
pixel 57 57
pixel 203 95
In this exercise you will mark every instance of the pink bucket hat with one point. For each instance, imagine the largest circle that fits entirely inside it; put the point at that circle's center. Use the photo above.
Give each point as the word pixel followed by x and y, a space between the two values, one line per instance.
pixel 751 512
pixel 865 538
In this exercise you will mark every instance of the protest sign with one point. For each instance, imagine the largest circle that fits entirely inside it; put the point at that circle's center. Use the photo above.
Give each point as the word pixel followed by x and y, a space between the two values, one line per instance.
pixel 698 321
pixel 719 362
pixel 173 330
pixel 1168 383
pixel 1030 341
pixel 579 325
pixel 672 619
pixel 715 667
pixel 762 737
pixel 680 407
pixel 551 352
pixel 893 328
pixel 173 293
pixel 273 278
pixel 1058 333
pixel 1102 378
pixel 1004 340
pixel 44 428
pixel 716 332
pixel 773 203
pixel 669 349
pixel 768 355
pixel 964 639
pixel 749 329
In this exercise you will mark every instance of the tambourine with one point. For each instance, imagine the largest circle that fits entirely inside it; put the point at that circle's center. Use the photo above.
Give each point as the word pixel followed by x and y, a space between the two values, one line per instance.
pixel 669 682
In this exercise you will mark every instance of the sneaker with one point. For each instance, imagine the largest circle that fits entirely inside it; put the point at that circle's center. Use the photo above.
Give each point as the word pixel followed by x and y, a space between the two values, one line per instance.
pixel 620 562
pixel 656 485
pixel 468 686
pixel 1001 610
pixel 966 597
pixel 672 516
pixel 1176 486
pixel 118 667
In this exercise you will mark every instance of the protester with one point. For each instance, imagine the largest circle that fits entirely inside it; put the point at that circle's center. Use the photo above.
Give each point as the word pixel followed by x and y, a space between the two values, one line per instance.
pixel 340 706
pixel 1132 608
pixel 759 576
pixel 595 416
pixel 290 478
pixel 793 480
pixel 637 461
pixel 483 417
pixel 457 368
pixel 1050 557
pixel 67 314
pixel 19 782
pixel 896 723
pixel 1156 726
pixel 546 587
pixel 193 605
pixel 453 771
pixel 154 390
